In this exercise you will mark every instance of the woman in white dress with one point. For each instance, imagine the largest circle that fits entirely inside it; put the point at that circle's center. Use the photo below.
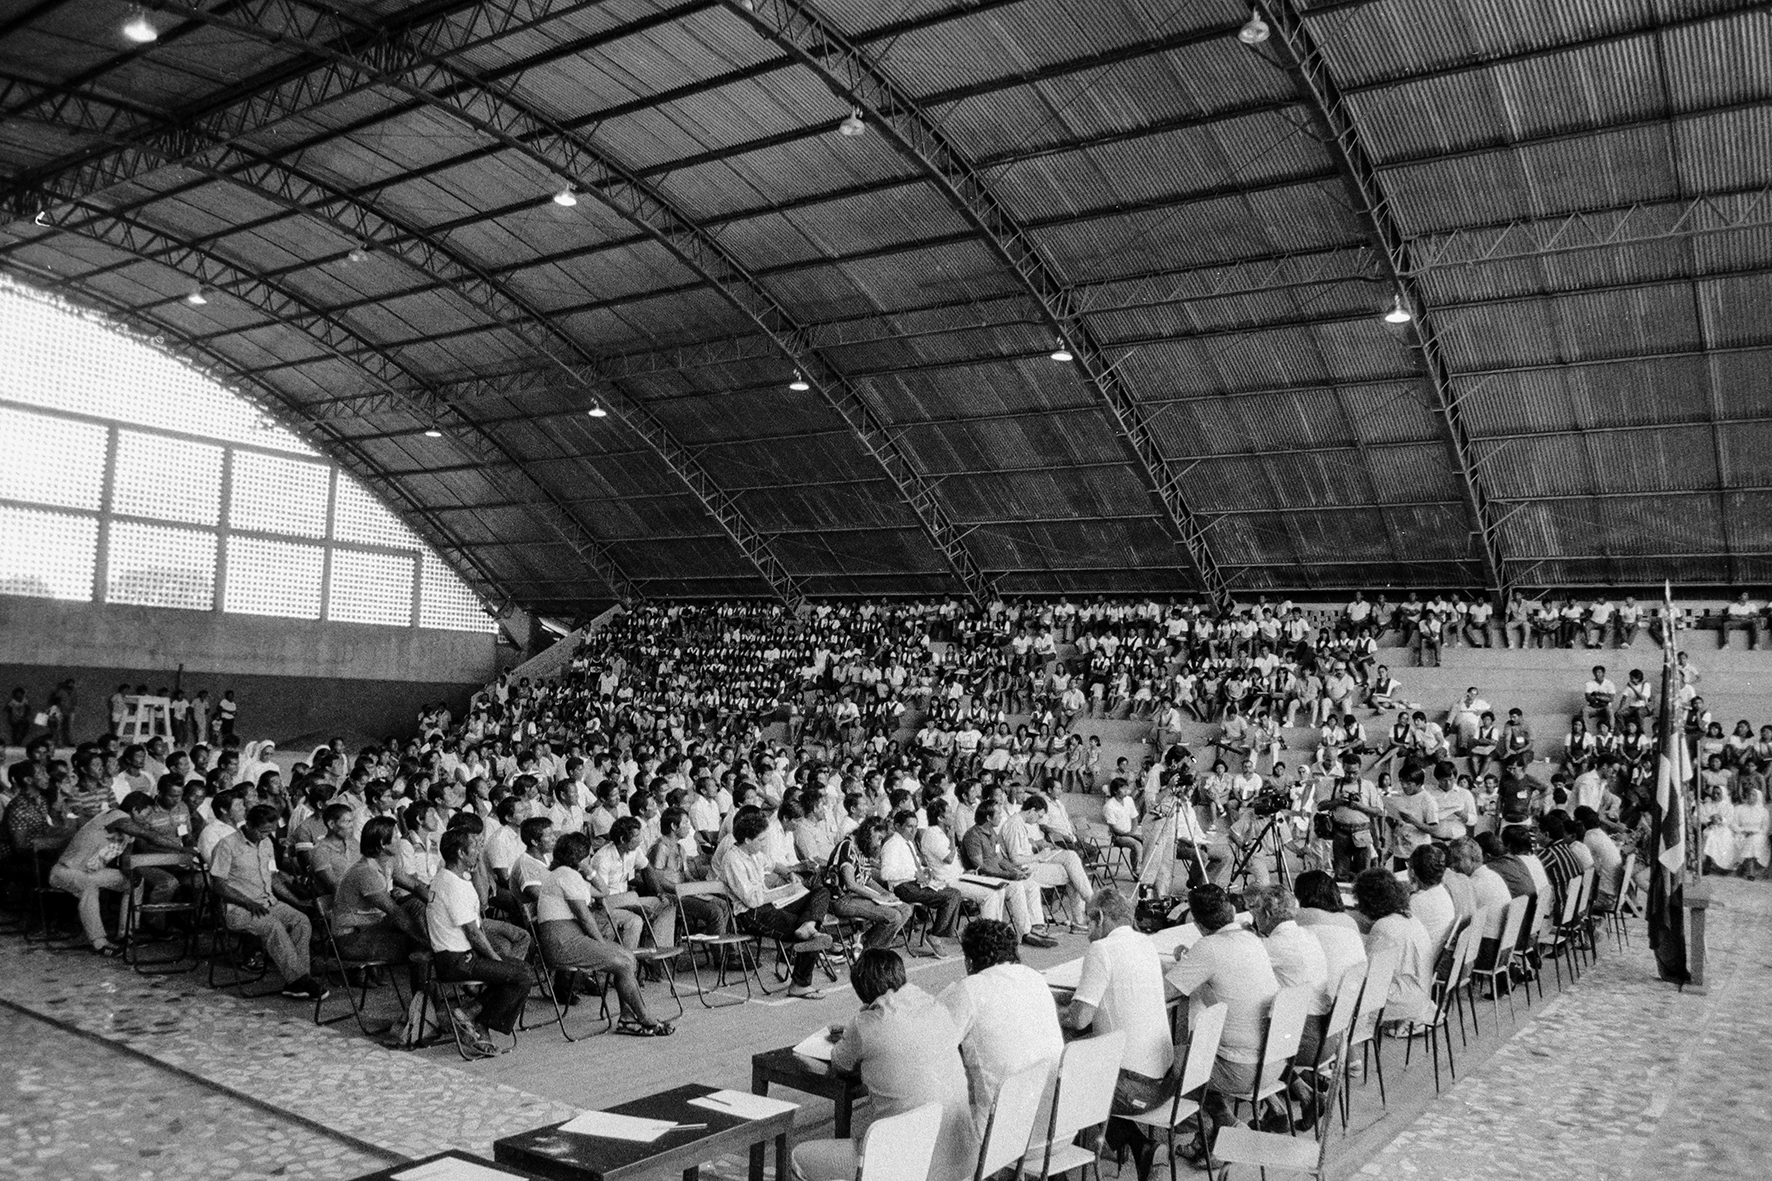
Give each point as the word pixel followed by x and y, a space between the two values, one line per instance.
pixel 1753 851
pixel 1716 822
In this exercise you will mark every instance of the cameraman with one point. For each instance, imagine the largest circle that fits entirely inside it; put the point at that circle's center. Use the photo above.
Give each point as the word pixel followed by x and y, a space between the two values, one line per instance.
pixel 1352 805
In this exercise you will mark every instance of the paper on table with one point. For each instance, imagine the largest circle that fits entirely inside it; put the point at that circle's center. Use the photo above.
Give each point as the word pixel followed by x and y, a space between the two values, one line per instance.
pixel 450 1168
pixel 818 1046
pixel 743 1104
pixel 1065 975
pixel 611 1126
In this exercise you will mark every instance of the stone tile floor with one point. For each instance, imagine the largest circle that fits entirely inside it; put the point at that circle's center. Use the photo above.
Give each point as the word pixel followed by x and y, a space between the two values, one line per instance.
pixel 74 1108
pixel 1619 1077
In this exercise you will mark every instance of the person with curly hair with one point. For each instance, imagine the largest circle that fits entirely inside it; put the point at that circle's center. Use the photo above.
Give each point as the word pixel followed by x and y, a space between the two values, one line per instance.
pixel 1385 902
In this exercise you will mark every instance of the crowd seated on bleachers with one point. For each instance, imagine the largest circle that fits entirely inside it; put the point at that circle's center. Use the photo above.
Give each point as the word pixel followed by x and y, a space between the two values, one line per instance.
pixel 860 769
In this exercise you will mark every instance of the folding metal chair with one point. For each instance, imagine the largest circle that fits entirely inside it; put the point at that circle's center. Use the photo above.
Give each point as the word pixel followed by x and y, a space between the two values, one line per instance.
pixel 332 957
pixel 727 946
pixel 1444 988
pixel 1082 1098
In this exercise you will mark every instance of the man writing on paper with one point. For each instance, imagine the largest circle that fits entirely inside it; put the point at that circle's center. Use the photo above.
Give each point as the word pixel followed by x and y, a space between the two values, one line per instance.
pixel 907 1051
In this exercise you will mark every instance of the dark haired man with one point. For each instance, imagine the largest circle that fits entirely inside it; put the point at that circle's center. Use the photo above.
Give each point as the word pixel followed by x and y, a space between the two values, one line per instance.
pixel 260 901
pixel 459 946
pixel 764 903
pixel 1002 1010
pixel 907 1052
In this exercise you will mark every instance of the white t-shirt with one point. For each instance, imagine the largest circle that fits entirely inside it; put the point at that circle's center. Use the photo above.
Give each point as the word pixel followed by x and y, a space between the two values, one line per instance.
pixel 561 884
pixel 454 904
pixel 1121 815
pixel 1123 978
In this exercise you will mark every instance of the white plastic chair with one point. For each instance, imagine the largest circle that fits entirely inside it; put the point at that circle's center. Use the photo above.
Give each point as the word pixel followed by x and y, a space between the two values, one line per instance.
pixel 1238 1145
pixel 900 1147
pixel 1011 1124
pixel 1198 1057
pixel 1498 971
pixel 1279 1046
pixel 1082 1097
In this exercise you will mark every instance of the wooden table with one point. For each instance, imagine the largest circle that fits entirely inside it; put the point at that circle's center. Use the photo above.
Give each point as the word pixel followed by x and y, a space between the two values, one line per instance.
pixel 569 1156
pixel 800 1073
pixel 467 1158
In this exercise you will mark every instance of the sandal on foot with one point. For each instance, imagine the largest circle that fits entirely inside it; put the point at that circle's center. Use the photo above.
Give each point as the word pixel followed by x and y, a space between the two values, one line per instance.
pixel 110 951
pixel 633 1028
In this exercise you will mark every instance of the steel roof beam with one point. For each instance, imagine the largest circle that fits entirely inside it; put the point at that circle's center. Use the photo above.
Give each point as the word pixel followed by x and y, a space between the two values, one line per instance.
pixel 412 70
pixel 855 74
pixel 334 338
pixel 1341 136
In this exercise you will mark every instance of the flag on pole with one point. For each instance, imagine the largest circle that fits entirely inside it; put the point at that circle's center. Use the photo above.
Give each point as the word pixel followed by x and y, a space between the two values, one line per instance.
pixel 1667 851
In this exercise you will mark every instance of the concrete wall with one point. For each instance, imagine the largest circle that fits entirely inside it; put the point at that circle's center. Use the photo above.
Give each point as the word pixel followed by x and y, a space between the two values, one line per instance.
pixel 291 677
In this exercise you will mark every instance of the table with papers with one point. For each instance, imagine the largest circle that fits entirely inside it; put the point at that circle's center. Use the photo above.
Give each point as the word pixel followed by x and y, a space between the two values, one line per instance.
pixel 659 1137
pixel 805 1067
pixel 1171 942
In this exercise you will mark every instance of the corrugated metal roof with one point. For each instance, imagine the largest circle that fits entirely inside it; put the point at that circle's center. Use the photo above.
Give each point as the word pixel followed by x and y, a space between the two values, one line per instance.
pixel 1614 369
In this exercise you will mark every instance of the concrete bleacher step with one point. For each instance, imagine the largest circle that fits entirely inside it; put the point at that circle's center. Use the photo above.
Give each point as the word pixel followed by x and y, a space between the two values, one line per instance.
pixel 1547 682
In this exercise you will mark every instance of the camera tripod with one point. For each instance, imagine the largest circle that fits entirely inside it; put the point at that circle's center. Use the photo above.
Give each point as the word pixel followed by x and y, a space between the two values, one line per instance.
pixel 1270 840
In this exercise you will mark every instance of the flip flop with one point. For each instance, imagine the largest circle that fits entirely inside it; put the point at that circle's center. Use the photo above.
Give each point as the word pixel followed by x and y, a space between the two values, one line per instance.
pixel 645 1029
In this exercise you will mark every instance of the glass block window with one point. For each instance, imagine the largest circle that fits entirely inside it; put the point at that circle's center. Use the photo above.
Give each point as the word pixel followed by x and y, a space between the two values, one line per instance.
pixel 358 516
pixel 273 578
pixel 52 460
pixel 446 602
pixel 168 479
pixel 370 588
pixel 63 358
pixel 276 495
pixel 71 379
pixel 154 566
pixel 47 555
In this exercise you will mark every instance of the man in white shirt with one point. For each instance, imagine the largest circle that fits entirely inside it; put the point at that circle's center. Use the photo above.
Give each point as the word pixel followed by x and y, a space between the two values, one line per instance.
pixel 1227 965
pixel 1120 814
pixel 1597 699
pixel 784 910
pixel 1299 961
pixel 1047 865
pixel 1120 989
pixel 1003 1010
pixel 460 950
pixel 902 869
pixel 613 868
pixel 1741 615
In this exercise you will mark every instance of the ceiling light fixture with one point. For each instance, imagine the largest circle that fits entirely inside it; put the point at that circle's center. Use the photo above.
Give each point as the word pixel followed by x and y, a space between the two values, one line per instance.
pixel 431 432
pixel 597 411
pixel 852 126
pixel 196 298
pixel 358 254
pixel 799 384
pixel 1061 353
pixel 42 218
pixel 1255 32
pixel 567 197
pixel 1398 314
pixel 140 29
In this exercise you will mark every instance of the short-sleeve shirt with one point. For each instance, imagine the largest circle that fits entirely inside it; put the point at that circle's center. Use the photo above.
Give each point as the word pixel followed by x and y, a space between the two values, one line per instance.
pixel 1122 978
pixel 1006 1021
pixel 248 868
pixel 1230 965
pixel 351 907
pixel 561 885
pixel 454 904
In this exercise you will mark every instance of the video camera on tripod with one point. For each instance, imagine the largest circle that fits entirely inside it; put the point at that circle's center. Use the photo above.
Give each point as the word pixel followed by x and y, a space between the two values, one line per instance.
pixel 1271 800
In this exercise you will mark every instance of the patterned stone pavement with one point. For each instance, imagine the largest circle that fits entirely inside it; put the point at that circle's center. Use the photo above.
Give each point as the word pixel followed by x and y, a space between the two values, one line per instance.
pixel 1617 1078
pixel 1621 1077
pixel 71 1107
